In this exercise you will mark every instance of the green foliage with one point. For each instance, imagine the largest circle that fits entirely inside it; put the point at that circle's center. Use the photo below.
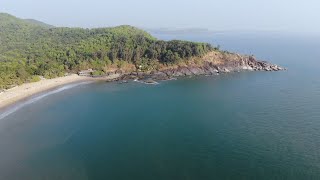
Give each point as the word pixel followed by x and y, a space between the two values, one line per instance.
pixel 35 79
pixel 145 64
pixel 29 48
pixel 98 73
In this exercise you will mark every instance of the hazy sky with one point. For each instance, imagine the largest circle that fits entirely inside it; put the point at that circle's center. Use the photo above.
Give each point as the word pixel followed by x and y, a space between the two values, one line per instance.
pixel 279 15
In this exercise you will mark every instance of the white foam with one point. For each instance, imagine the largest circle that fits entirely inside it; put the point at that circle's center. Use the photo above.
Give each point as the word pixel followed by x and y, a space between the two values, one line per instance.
pixel 37 98
pixel 143 82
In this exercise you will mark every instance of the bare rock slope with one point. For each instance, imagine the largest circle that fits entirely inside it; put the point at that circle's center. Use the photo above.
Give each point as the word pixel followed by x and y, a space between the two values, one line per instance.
pixel 214 63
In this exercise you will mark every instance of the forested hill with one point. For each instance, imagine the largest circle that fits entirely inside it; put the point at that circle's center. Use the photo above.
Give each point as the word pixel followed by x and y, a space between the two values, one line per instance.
pixel 29 49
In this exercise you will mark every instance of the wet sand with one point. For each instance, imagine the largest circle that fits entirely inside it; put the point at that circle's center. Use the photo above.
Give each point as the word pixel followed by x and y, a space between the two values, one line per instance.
pixel 18 93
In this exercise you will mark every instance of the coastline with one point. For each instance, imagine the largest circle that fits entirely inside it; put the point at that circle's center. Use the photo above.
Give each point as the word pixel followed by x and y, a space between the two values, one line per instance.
pixel 212 64
pixel 19 93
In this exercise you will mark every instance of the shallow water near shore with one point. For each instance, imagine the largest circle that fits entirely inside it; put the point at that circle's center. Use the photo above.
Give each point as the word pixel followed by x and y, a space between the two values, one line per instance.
pixel 4 112
pixel 250 125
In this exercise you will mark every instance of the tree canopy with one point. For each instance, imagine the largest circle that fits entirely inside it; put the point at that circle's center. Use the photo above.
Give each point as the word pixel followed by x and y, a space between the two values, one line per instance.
pixel 29 48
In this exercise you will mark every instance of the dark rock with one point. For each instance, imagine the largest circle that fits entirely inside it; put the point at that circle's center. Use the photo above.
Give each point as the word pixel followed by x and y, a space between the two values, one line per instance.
pixel 237 64
pixel 177 73
pixel 159 76
pixel 118 71
pixel 196 71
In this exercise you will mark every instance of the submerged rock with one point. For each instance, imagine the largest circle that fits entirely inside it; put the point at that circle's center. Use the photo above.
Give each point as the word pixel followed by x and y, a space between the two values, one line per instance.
pixel 151 81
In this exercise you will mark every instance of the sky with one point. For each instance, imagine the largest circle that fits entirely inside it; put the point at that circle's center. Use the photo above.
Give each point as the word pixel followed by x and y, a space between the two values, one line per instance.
pixel 217 15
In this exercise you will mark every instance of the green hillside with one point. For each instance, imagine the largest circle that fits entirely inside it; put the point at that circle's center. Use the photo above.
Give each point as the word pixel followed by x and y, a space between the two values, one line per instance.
pixel 29 49
pixel 39 23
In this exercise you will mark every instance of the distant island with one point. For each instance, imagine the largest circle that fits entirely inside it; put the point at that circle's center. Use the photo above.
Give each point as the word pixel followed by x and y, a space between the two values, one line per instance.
pixel 32 51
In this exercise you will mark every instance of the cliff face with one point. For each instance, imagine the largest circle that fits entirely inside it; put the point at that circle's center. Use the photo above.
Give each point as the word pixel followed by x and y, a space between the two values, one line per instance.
pixel 213 63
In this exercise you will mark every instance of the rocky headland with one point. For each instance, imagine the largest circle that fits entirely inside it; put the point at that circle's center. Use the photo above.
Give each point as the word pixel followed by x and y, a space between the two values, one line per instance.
pixel 214 63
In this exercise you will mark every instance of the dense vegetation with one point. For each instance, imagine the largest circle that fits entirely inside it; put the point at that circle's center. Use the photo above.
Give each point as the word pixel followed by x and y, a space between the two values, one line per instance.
pixel 29 49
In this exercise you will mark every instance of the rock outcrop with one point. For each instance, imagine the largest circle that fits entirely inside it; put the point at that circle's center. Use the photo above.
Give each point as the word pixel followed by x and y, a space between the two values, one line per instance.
pixel 213 64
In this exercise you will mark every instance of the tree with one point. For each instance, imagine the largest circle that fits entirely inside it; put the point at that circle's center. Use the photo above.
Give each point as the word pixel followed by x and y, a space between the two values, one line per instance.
pixel 28 50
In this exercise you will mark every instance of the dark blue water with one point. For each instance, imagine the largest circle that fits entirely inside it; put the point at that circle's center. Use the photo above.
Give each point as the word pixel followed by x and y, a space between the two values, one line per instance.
pixel 251 125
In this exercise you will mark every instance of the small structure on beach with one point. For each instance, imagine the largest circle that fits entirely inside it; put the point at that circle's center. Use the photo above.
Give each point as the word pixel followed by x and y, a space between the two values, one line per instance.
pixel 87 72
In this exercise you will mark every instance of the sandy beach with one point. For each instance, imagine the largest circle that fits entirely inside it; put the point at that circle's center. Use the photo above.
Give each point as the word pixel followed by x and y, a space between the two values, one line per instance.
pixel 10 96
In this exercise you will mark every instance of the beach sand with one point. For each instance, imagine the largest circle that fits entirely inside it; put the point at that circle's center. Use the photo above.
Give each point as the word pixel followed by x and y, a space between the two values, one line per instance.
pixel 10 96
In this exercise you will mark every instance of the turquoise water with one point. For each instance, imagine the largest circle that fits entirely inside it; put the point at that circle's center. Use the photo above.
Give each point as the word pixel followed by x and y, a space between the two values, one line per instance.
pixel 251 125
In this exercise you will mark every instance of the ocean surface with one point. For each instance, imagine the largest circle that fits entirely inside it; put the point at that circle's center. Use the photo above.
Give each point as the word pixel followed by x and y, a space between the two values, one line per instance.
pixel 250 125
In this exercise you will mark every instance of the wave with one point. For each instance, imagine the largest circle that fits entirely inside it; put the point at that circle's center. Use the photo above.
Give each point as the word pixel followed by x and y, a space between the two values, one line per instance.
pixel 170 79
pixel 37 98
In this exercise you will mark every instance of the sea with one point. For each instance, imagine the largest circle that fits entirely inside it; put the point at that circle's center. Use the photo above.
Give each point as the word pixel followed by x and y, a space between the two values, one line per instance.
pixel 237 126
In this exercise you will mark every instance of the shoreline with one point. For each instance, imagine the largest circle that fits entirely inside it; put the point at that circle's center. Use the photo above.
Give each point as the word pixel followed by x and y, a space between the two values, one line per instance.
pixel 209 67
pixel 20 93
